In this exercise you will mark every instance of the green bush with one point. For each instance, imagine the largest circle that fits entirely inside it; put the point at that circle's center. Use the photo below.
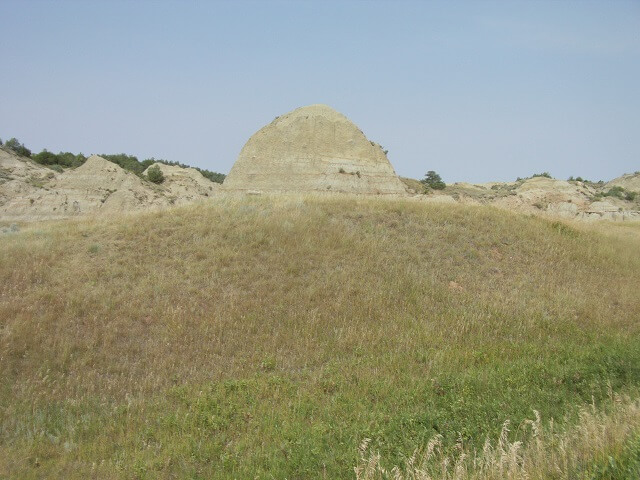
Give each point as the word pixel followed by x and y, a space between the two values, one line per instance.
pixel 155 175
pixel 17 147
pixel 128 162
pixel 46 158
pixel 65 159
pixel 433 180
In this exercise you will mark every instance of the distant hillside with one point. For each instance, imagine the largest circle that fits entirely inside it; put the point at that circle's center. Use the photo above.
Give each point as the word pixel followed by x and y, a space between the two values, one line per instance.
pixel 61 160
pixel 268 336
pixel 617 200
pixel 30 191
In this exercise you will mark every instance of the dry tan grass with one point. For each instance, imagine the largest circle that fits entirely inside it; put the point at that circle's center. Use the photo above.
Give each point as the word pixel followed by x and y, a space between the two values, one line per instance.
pixel 299 325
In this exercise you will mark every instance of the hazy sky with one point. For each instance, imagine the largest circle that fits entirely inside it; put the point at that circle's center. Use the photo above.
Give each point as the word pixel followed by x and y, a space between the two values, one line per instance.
pixel 477 91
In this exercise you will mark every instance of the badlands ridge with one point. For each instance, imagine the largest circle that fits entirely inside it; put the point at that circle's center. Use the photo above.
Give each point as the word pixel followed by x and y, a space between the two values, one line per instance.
pixel 312 149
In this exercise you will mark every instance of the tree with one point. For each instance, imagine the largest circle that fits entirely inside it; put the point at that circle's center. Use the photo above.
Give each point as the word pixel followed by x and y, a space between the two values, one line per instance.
pixel 155 175
pixel 433 180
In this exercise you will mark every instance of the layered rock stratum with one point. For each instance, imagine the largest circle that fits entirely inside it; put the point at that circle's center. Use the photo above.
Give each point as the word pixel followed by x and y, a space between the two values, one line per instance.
pixel 313 149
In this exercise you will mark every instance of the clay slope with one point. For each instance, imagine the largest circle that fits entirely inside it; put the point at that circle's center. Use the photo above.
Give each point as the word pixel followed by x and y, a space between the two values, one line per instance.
pixel 29 191
pixel 313 148
pixel 628 181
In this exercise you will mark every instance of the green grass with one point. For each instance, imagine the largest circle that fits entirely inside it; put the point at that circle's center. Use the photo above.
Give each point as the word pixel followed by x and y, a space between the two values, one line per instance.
pixel 267 337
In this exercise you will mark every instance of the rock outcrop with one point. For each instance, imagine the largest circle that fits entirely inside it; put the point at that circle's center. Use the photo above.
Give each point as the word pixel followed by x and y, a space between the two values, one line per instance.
pixel 549 197
pixel 30 192
pixel 185 185
pixel 313 148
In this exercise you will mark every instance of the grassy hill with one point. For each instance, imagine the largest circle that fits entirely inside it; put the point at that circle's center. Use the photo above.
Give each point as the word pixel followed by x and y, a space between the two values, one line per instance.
pixel 266 337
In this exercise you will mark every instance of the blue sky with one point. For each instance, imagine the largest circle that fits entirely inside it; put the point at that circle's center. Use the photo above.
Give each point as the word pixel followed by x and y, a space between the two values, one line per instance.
pixel 476 91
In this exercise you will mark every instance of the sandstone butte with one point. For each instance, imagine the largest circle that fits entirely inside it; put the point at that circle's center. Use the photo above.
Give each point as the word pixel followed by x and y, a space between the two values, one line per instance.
pixel 313 148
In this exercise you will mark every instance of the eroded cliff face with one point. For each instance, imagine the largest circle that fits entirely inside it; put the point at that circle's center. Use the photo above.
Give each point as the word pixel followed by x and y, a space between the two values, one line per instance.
pixel 313 149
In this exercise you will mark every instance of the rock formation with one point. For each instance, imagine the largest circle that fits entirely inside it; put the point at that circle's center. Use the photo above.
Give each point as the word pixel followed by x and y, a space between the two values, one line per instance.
pixel 185 185
pixel 547 197
pixel 29 191
pixel 313 148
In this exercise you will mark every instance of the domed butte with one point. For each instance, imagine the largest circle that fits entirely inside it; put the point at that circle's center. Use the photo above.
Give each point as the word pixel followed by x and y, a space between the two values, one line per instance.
pixel 313 148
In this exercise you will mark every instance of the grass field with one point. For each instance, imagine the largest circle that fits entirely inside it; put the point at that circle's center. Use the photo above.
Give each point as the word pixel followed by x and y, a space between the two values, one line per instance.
pixel 267 337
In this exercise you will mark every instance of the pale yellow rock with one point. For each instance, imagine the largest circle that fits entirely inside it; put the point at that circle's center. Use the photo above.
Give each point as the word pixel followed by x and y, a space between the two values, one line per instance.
pixel 472 186
pixel 184 185
pixel 603 206
pixel 313 148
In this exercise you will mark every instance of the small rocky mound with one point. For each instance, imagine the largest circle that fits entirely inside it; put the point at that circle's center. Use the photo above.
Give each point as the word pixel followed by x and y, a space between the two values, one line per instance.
pixel 184 185
pixel 313 148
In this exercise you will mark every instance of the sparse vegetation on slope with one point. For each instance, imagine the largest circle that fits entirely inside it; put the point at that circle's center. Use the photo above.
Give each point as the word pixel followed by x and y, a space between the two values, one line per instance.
pixel 268 336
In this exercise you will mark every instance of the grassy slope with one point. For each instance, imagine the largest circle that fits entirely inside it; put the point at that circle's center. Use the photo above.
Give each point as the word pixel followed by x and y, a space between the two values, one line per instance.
pixel 269 336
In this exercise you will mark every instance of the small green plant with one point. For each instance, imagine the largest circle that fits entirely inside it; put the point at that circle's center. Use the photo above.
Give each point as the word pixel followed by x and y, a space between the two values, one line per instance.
pixel 268 364
pixel 155 175
pixel 433 180
pixel 341 170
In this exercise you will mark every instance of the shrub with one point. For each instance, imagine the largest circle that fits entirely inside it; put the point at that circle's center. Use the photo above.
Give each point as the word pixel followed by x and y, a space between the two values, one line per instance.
pixel 65 159
pixel 433 180
pixel 616 191
pixel 17 147
pixel 543 174
pixel 128 162
pixel 155 175
pixel 46 158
